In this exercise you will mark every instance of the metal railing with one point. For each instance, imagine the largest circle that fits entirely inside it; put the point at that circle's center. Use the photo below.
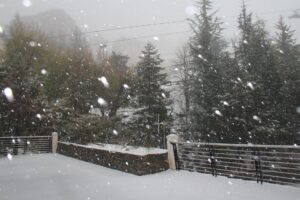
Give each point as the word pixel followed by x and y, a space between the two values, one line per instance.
pixel 262 163
pixel 25 144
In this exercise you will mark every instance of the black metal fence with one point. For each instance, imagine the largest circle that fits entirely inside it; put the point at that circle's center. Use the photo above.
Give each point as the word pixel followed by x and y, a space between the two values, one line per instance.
pixel 25 144
pixel 262 163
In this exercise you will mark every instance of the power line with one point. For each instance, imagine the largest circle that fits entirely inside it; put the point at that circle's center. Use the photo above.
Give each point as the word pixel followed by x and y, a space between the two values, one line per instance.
pixel 143 37
pixel 126 27
pixel 157 24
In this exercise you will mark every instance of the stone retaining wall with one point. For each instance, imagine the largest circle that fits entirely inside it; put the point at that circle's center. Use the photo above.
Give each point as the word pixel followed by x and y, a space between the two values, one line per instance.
pixel 134 164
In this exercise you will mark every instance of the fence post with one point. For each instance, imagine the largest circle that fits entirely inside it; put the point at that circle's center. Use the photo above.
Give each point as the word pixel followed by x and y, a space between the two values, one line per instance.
pixel 171 139
pixel 54 142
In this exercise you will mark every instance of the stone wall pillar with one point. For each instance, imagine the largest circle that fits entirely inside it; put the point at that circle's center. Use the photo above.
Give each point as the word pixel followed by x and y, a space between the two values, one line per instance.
pixel 54 142
pixel 171 139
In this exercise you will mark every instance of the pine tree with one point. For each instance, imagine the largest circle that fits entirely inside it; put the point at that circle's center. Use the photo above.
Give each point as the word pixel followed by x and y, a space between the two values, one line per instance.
pixel 118 74
pixel 23 57
pixel 152 99
pixel 79 82
pixel 260 97
pixel 207 51
pixel 287 60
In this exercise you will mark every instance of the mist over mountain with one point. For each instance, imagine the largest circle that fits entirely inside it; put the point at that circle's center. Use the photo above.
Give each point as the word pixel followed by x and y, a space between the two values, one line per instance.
pixel 54 22
pixel 59 26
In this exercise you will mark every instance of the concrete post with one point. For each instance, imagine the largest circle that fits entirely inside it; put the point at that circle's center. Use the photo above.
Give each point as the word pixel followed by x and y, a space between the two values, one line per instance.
pixel 54 142
pixel 172 138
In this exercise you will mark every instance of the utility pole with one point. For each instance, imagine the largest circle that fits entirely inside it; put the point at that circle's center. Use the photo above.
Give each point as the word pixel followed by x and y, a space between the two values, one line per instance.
pixel 158 130
pixel 102 52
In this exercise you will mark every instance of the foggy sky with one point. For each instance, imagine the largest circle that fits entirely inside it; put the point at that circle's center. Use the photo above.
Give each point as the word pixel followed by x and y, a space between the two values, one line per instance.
pixel 99 14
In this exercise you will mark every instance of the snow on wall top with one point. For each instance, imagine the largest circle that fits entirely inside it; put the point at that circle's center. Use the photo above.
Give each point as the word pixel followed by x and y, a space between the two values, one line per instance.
pixel 139 151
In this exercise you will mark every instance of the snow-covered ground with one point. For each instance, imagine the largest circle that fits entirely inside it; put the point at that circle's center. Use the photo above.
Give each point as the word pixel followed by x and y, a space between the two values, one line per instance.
pixel 53 177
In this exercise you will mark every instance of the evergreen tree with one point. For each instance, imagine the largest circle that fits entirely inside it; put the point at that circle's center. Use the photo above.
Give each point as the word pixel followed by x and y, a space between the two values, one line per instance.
pixel 119 75
pixel 207 51
pixel 22 112
pixel 118 61
pixel 152 99
pixel 80 79
pixel 258 101
pixel 288 62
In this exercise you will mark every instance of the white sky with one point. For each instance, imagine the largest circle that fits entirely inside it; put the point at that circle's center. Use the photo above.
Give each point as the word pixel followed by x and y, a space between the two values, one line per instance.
pixel 99 14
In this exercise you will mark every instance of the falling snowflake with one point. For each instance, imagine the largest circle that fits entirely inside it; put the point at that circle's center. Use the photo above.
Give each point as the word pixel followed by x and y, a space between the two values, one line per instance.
pixel 163 95
pixel 225 103
pixel 39 116
pixel 101 101
pixel 255 117
pixel 1 29
pixel 8 93
pixel 202 58
pixel 26 3
pixel 44 72
pixel 280 51
pixel 32 43
pixel 104 81
pixel 115 132
pixel 217 112
pixel 250 85
pixel 126 86
pixel 9 156
pixel 156 38
pixel 191 10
